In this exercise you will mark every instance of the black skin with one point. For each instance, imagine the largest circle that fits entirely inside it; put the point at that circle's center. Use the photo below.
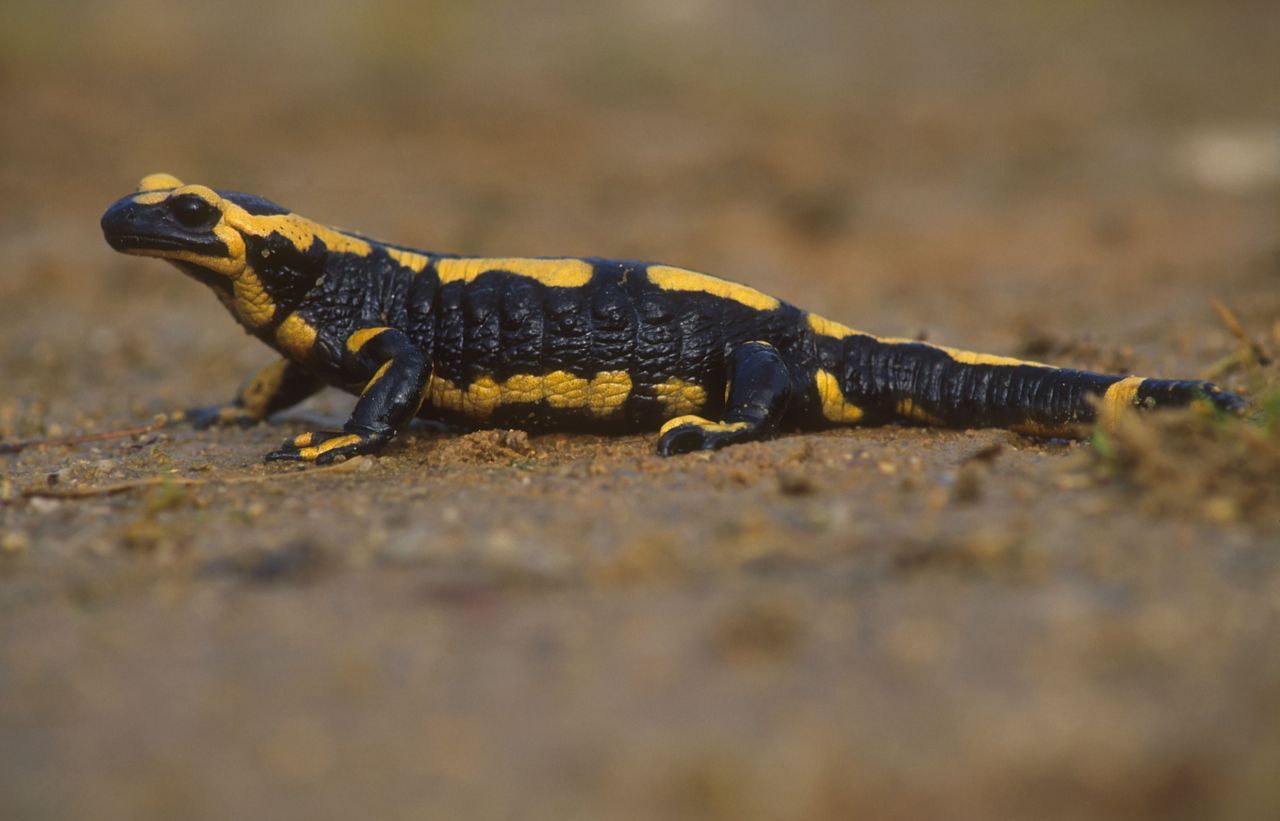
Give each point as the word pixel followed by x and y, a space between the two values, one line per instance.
pixel 500 324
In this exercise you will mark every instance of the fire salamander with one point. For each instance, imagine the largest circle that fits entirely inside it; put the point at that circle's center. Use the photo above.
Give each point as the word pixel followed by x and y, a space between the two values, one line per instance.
pixel 570 343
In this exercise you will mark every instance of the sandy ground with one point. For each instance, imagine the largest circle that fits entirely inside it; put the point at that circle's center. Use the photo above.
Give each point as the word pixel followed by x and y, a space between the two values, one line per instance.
pixel 886 623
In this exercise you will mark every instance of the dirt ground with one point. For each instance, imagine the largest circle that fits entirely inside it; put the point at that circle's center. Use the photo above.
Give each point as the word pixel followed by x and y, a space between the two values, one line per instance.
pixel 892 623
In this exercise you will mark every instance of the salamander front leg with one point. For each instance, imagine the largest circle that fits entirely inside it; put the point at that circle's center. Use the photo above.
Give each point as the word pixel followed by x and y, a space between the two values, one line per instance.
pixel 397 373
pixel 759 387
pixel 278 386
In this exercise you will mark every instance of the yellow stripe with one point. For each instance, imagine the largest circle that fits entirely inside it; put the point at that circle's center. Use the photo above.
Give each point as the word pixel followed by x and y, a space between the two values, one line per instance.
pixel 680 398
pixel 376 376
pixel 835 407
pixel 252 302
pixel 1118 400
pixel 362 337
pixel 826 327
pixel 329 444
pixel 295 337
pixel 409 259
pixel 702 424
pixel 556 273
pixel 680 279
pixel 601 395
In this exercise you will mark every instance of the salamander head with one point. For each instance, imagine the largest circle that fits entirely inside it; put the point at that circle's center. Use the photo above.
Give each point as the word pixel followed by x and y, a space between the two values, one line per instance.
pixel 190 224
pixel 258 257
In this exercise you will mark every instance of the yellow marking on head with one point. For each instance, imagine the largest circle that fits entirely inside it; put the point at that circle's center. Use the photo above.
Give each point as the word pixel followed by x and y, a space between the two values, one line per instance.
pixel 378 374
pixel 298 230
pixel 155 182
pixel 151 197
pixel 601 395
pixel 252 302
pixel 362 337
pixel 409 259
pixel 155 189
pixel 1118 400
pixel 256 395
pixel 704 424
pixel 680 398
pixel 295 337
pixel 835 407
pixel 229 266
pixel 327 445
pixel 555 273
pixel 680 279
pixel 236 223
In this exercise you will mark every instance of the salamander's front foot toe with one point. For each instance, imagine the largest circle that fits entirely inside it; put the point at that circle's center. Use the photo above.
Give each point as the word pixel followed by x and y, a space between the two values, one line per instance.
pixel 219 416
pixel 685 434
pixel 324 447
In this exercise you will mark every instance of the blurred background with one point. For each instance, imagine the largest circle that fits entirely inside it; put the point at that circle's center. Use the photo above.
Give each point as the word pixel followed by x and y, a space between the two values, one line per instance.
pixel 1074 181
pixel 843 155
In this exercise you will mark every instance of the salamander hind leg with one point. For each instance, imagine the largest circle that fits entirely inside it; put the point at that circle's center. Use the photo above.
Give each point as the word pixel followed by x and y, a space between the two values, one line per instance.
pixel 759 387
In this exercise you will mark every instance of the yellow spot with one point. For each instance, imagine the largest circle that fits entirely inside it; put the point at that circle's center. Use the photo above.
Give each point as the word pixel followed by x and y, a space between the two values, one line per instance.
pixel 256 395
pixel 252 302
pixel 908 409
pixel 303 439
pixel 155 182
pixel 1118 400
pixel 327 445
pixel 680 279
pixel 607 392
pixel 703 424
pixel 360 338
pixel 556 273
pixel 680 398
pixel 834 405
pixel 410 259
pixel 295 337
pixel 601 396
pixel 376 376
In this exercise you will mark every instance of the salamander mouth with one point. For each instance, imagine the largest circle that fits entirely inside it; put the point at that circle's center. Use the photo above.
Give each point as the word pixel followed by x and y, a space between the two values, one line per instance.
pixel 137 242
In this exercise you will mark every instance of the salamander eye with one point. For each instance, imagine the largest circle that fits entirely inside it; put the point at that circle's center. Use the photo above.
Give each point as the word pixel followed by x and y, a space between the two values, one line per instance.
pixel 194 212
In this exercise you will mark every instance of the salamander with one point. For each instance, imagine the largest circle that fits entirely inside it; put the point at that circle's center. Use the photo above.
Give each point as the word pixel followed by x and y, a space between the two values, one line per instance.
pixel 570 343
